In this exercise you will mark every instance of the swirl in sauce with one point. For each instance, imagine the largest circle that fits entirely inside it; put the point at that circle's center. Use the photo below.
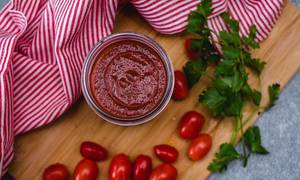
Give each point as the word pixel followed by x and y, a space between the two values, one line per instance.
pixel 128 79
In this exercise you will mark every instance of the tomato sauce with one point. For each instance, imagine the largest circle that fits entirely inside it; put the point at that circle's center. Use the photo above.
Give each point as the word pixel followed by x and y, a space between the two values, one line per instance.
pixel 128 79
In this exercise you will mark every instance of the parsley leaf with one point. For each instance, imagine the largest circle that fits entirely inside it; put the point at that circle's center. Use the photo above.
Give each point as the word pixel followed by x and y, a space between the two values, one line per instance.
pixel 256 97
pixel 252 33
pixel 214 58
pixel 233 24
pixel 225 67
pixel 205 49
pixel 250 40
pixel 274 91
pixel 193 71
pixel 230 39
pixel 255 65
pixel 223 85
pixel 231 52
pixel 226 154
pixel 213 100
pixel 238 80
pixel 234 104
pixel 253 141
pixel 195 22
pixel 206 8
pixel 252 94
pixel 197 19
pixel 233 82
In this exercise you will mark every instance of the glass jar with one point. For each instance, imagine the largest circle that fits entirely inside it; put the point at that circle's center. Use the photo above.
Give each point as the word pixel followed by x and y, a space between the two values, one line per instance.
pixel 87 75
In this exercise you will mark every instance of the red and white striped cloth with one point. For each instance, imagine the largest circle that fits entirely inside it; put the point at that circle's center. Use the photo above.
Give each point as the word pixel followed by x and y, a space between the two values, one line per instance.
pixel 43 44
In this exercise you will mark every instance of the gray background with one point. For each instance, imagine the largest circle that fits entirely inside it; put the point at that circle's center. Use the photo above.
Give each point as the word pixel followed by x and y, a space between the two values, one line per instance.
pixel 280 133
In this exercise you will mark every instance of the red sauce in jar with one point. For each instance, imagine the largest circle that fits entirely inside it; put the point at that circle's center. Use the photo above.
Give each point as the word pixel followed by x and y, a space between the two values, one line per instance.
pixel 128 79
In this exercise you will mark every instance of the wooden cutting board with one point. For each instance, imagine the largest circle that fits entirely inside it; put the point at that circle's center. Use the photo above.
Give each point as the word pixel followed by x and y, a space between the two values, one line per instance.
pixel 60 141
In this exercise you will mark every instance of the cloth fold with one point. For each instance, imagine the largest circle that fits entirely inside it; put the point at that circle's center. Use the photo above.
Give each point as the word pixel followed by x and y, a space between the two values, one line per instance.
pixel 43 44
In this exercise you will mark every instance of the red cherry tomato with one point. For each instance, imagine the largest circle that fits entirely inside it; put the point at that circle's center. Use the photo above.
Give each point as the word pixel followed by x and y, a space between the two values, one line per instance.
pixel 180 86
pixel 142 167
pixel 86 170
pixel 190 52
pixel 120 168
pixel 56 172
pixel 199 147
pixel 190 125
pixel 164 172
pixel 93 151
pixel 166 153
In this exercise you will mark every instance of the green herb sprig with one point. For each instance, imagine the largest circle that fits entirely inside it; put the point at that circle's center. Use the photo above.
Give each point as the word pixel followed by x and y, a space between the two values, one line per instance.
pixel 229 91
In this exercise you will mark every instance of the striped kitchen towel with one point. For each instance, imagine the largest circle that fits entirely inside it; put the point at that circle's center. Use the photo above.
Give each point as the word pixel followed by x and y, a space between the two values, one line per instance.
pixel 43 44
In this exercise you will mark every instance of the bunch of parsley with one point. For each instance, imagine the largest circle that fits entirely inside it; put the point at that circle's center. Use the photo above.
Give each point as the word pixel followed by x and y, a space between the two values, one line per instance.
pixel 230 90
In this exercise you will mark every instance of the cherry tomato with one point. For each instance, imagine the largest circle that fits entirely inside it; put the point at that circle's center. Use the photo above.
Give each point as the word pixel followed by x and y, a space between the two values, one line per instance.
pixel 164 172
pixel 166 153
pixel 120 168
pixel 190 52
pixel 180 86
pixel 56 172
pixel 199 147
pixel 93 151
pixel 190 125
pixel 86 170
pixel 142 167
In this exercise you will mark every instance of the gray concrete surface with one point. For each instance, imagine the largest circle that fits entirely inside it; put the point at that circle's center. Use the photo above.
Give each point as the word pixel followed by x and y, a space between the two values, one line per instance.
pixel 280 133
pixel 297 2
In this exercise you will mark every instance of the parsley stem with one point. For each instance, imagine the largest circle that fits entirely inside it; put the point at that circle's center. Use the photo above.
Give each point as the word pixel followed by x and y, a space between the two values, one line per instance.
pixel 235 132
pixel 241 125
pixel 243 141
pixel 238 126
pixel 208 75
pixel 259 83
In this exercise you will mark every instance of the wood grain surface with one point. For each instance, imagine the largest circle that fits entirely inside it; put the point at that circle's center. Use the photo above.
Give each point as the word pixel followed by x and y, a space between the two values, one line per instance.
pixel 60 141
